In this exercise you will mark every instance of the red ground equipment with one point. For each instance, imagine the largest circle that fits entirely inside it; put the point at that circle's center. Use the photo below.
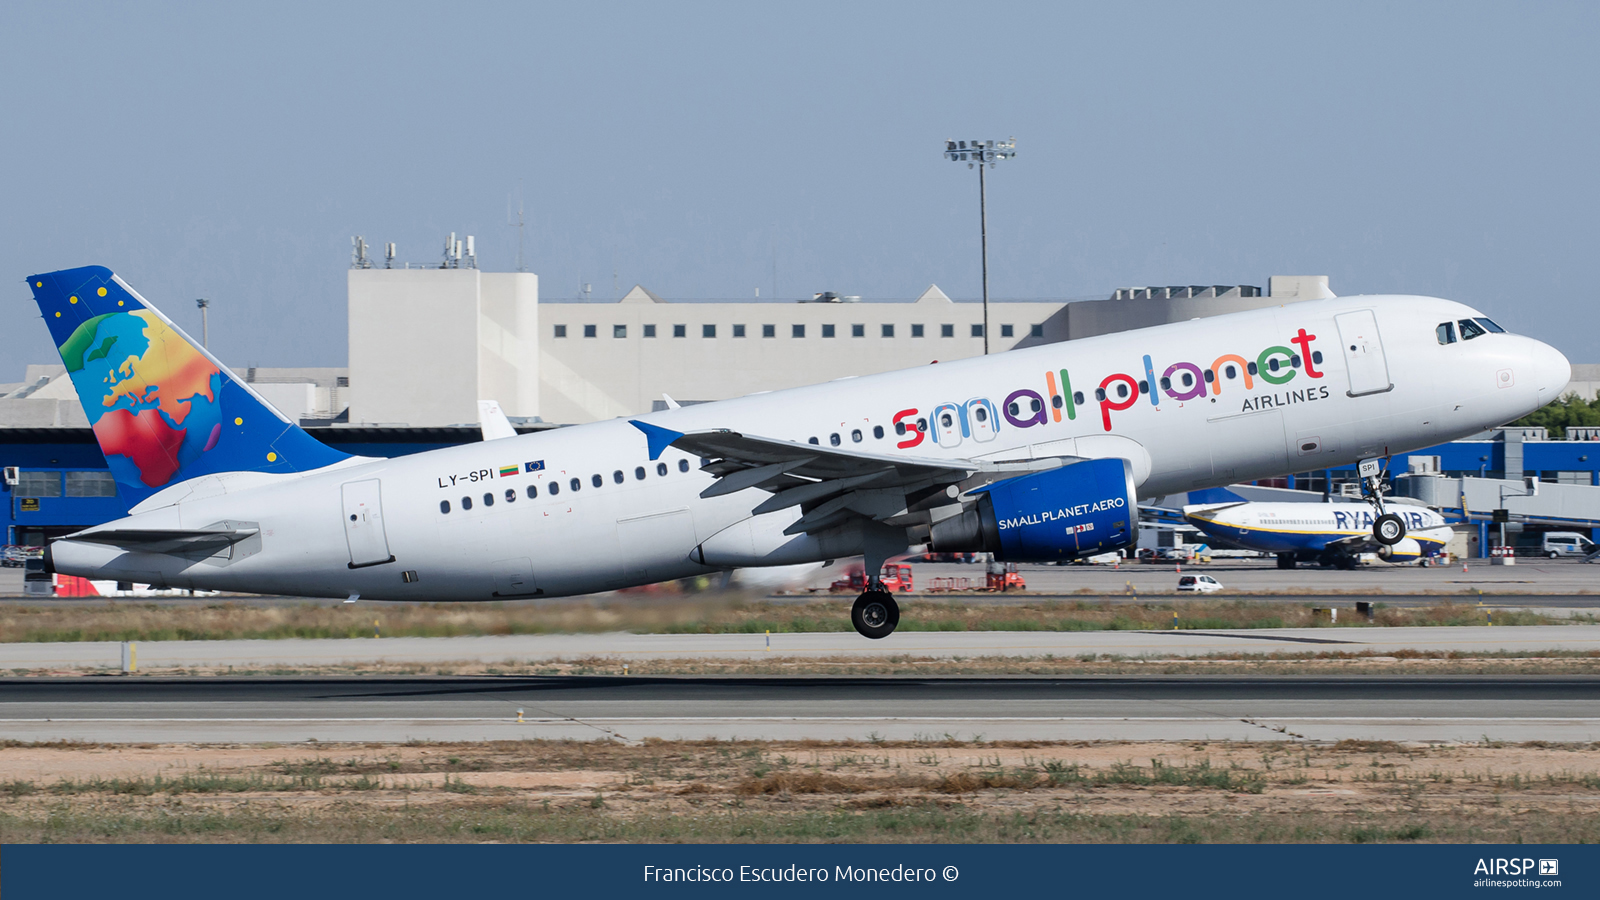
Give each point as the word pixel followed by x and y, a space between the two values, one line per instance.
pixel 896 577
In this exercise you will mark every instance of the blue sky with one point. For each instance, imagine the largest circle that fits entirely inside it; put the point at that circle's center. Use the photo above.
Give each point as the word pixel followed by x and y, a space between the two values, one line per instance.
pixel 229 152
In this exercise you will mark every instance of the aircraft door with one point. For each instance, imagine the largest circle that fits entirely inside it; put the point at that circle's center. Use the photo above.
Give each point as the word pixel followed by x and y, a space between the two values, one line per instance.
pixel 1363 353
pixel 363 524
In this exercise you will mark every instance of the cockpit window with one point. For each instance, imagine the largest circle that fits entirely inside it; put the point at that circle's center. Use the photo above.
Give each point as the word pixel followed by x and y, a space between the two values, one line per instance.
pixel 1446 332
pixel 1471 329
pixel 1489 324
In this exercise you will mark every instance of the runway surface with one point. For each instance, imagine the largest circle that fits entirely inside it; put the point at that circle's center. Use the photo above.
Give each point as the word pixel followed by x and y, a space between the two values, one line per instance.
pixel 294 710
pixel 620 646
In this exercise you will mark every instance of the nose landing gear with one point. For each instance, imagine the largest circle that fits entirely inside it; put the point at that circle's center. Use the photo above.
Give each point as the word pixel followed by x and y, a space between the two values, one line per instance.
pixel 875 614
pixel 1388 529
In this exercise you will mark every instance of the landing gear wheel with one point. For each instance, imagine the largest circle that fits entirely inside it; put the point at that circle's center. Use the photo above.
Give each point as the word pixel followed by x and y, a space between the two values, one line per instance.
pixel 875 614
pixel 1389 529
pixel 1285 560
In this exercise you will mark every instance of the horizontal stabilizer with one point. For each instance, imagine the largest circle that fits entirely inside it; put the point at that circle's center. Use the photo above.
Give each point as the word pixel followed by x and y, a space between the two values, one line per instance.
pixel 165 540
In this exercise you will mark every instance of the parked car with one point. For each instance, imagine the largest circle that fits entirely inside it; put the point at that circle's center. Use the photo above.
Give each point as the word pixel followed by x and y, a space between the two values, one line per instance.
pixel 1198 584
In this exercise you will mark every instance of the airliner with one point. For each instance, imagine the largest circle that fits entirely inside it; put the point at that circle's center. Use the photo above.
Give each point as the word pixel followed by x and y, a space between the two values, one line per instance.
pixel 1036 454
pixel 1332 534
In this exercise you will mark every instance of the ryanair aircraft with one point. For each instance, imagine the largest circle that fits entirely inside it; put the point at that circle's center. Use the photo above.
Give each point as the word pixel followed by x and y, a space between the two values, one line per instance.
pixel 1037 454
pixel 1332 534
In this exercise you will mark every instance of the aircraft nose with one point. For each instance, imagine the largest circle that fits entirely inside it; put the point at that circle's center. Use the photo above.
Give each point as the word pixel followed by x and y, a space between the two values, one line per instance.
pixel 1551 371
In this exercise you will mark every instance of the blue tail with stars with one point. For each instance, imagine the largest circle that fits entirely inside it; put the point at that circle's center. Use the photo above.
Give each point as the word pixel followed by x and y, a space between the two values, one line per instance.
pixel 163 409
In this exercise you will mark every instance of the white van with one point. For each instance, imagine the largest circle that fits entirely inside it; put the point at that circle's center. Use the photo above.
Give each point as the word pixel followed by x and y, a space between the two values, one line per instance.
pixel 1566 543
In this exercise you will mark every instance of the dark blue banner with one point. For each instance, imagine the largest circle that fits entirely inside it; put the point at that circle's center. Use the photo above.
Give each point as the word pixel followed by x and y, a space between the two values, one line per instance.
pixel 168 872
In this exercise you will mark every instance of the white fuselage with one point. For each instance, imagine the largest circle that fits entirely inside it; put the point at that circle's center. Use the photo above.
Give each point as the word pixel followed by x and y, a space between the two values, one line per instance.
pixel 632 530
pixel 1305 528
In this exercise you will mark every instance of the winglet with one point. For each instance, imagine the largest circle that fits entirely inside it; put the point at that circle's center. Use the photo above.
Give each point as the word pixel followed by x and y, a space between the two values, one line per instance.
pixel 659 438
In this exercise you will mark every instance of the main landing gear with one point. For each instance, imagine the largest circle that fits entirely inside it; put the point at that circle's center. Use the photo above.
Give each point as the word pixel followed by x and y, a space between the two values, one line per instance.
pixel 875 614
pixel 1388 529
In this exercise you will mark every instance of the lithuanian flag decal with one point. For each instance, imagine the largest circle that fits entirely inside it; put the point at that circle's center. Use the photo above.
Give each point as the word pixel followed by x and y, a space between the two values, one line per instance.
pixel 507 471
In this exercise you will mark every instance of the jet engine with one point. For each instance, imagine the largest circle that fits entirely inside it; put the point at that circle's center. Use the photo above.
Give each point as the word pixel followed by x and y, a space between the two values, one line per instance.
pixel 1081 509
pixel 1407 550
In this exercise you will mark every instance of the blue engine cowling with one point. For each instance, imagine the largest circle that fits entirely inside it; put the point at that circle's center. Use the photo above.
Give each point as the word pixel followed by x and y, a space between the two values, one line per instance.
pixel 1077 510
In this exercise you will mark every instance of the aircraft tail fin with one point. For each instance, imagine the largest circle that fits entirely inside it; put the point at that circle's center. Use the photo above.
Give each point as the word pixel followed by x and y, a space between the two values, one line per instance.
pixel 163 409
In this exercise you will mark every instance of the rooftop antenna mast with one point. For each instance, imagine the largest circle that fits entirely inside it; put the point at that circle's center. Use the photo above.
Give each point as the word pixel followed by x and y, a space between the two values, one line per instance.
pixel 518 224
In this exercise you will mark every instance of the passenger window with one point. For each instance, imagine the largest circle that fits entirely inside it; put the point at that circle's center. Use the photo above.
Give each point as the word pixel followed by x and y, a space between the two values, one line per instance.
pixel 1034 403
pixel 900 428
pixel 1446 332
pixel 554 488
pixel 575 484
pixel 1489 324
pixel 533 491
pixel 638 474
pixel 1055 400
pixel 488 499
pixel 444 506
pixel 1122 390
pixel 1077 397
pixel 617 476
pixel 1210 376
pixel 877 431
pixel 981 414
pixel 596 480
pixel 1100 394
pixel 922 425
pixel 1011 408
pixel 1294 360
pixel 855 436
pixel 1231 371
pixel 1166 383
pixel 1471 329
pixel 466 502
pixel 947 421
pixel 813 441
pixel 834 439
pixel 1251 368
pixel 511 495
pixel 1316 357
pixel 683 465
pixel 661 468
pixel 1273 364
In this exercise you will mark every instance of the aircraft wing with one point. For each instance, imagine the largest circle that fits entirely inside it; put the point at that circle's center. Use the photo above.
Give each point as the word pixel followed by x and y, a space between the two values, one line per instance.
pixel 831 484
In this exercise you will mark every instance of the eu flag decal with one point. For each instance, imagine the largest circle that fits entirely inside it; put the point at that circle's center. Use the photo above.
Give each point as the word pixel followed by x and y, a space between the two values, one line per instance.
pixel 535 466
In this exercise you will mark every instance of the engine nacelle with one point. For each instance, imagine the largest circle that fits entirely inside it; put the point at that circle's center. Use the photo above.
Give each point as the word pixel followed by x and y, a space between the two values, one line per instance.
pixel 1407 550
pixel 1077 510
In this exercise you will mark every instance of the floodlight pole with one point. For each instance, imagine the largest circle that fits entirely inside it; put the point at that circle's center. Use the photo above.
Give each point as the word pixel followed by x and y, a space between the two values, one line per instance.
pixel 979 154
pixel 205 323
pixel 983 242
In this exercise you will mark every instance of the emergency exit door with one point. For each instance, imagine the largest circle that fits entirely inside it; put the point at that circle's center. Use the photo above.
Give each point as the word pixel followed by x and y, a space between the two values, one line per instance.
pixel 1363 353
pixel 363 524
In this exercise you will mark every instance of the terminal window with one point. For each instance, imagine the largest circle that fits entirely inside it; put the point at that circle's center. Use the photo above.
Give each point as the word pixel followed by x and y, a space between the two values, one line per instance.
pixel 38 484
pixel 709 331
pixel 738 331
pixel 827 331
pixel 588 331
pixel 561 331
pixel 769 331
pixel 977 330
pixel 947 331
pixel 680 331
pixel 916 331
pixel 91 484
pixel 858 331
pixel 798 331
pixel 1005 331
pixel 619 331
pixel 1035 331
pixel 888 331
pixel 649 331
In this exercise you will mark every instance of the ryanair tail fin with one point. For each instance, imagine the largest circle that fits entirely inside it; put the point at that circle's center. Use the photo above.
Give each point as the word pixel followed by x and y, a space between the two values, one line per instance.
pixel 163 408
